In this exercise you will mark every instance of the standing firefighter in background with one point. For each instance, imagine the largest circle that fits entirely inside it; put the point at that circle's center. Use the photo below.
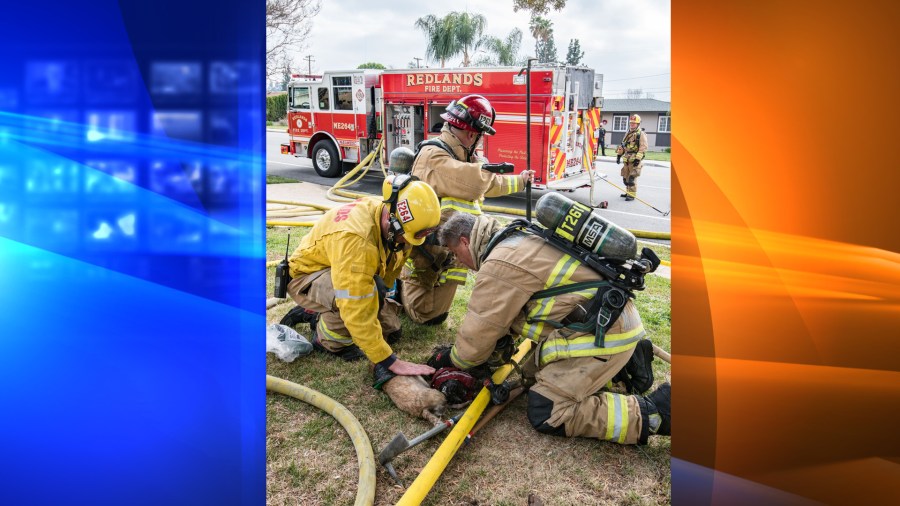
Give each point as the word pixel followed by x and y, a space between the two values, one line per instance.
pixel 521 290
pixel 341 269
pixel 462 180
pixel 632 149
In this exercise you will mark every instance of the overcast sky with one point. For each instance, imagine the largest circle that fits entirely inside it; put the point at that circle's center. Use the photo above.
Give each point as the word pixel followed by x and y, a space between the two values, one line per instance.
pixel 625 40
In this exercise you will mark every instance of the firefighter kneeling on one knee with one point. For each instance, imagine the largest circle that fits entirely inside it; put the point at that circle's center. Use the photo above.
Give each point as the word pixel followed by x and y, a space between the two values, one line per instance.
pixel 462 180
pixel 341 268
pixel 570 368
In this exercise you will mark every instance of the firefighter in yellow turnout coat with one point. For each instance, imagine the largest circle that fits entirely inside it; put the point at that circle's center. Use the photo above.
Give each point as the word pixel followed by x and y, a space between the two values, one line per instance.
pixel 338 266
pixel 570 368
pixel 462 180
pixel 632 149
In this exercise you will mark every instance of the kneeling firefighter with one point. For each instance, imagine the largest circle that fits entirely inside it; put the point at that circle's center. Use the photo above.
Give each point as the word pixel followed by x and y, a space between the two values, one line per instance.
pixel 585 325
pixel 341 268
pixel 462 180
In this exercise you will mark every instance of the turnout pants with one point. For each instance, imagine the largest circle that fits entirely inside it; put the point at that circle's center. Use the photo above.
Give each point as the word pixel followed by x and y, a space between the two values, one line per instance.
pixel 567 401
pixel 630 174
pixel 424 303
pixel 315 292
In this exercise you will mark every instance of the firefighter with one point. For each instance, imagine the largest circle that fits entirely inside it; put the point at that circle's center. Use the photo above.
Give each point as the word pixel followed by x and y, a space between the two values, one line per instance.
pixel 341 267
pixel 462 180
pixel 632 149
pixel 569 367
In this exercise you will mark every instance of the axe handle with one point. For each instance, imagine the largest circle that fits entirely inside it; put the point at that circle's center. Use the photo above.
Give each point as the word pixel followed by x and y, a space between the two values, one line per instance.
pixel 663 354
pixel 494 410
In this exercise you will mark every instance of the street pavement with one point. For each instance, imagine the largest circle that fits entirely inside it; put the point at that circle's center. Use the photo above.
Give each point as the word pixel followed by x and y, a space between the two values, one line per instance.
pixel 654 186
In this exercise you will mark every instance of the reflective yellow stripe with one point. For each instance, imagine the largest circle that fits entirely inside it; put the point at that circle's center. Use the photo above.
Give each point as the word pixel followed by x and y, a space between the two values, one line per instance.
pixel 610 415
pixel 465 206
pixel 583 346
pixel 560 275
pixel 328 335
pixel 624 428
pixel 514 184
pixel 463 364
pixel 616 417
pixel 456 274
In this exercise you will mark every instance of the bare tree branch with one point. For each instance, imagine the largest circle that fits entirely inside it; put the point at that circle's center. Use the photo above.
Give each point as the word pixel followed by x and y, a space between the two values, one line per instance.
pixel 288 23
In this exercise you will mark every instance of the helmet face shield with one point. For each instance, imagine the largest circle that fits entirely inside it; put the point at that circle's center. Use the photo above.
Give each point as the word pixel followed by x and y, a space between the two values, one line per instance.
pixel 473 113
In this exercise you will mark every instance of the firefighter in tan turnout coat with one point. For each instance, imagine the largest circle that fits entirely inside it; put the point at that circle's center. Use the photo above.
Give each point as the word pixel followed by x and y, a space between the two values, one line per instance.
pixel 569 367
pixel 461 180
pixel 632 149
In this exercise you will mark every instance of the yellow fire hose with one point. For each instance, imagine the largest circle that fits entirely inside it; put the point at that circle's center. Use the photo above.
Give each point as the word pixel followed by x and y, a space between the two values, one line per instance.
pixel 365 494
pixel 432 471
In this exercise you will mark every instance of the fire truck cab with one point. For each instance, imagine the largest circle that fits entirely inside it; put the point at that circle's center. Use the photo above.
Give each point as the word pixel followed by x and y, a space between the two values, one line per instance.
pixel 331 118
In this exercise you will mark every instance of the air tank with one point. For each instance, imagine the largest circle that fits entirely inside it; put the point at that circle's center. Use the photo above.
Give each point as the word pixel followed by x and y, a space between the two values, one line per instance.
pixel 584 226
pixel 401 160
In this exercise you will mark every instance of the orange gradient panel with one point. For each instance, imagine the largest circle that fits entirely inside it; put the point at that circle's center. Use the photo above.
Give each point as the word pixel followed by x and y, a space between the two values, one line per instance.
pixel 786 276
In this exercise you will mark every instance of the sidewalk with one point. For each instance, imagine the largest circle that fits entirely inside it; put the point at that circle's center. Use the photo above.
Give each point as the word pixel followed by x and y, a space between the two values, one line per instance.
pixel 656 163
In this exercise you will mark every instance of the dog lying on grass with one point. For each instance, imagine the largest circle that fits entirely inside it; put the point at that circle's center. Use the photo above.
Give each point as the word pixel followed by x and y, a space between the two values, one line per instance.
pixel 413 395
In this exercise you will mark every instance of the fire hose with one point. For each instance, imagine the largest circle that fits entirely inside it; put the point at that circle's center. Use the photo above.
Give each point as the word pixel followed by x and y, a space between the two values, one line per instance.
pixel 365 493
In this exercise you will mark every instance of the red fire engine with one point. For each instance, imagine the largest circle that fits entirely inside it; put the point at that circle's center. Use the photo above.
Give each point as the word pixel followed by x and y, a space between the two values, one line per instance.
pixel 340 116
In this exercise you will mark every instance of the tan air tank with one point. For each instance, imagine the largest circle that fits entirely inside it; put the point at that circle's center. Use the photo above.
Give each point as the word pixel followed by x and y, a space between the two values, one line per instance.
pixel 585 227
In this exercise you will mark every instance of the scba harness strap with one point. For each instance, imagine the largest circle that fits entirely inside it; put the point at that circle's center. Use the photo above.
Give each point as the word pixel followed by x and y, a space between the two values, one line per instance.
pixel 606 305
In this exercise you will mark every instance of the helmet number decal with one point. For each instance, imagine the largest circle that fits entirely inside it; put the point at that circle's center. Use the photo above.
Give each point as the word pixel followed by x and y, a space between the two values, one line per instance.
pixel 403 211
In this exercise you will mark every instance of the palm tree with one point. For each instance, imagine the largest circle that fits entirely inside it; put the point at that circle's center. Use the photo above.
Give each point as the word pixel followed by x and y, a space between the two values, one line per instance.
pixel 468 30
pixel 506 51
pixel 442 43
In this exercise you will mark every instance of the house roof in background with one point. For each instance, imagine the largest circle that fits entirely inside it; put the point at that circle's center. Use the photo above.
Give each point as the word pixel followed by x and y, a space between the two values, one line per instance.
pixel 635 105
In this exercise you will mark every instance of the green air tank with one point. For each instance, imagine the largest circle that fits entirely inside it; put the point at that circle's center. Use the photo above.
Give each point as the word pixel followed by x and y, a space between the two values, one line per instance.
pixel 585 227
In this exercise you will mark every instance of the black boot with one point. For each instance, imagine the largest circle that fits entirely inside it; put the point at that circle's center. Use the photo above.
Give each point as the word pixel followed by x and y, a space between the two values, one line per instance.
pixel 348 354
pixel 299 315
pixel 628 198
pixel 623 195
pixel 656 413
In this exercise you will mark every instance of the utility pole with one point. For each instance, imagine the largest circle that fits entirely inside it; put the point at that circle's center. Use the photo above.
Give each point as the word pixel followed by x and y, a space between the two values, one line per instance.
pixel 309 60
pixel 417 61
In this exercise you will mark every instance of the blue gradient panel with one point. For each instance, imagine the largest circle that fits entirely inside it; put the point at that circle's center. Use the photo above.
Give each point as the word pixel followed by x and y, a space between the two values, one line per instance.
pixel 132 249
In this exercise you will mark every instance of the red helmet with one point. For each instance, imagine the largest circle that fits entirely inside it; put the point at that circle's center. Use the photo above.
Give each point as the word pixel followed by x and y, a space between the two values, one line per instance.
pixel 473 113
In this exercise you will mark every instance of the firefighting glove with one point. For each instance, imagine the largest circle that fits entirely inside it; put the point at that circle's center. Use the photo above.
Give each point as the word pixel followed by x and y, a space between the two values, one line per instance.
pixel 382 375
pixel 498 168
pixel 619 159
pixel 503 351
pixel 441 357
pixel 459 387
pixel 635 161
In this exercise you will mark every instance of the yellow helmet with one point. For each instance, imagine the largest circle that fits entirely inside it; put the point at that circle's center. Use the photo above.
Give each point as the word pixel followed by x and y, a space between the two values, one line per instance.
pixel 415 208
pixel 635 118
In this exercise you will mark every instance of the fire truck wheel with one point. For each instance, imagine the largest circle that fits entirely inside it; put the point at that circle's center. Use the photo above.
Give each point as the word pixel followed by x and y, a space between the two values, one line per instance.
pixel 325 159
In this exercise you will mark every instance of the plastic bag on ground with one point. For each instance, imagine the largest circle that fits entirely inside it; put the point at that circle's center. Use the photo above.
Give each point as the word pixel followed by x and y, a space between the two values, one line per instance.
pixel 286 343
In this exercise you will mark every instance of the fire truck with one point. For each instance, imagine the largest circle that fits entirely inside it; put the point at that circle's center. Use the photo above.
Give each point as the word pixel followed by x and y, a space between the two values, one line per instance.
pixel 339 117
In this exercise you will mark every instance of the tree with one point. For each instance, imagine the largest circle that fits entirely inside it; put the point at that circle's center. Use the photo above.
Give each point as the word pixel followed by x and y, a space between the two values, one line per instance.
pixel 455 33
pixel 538 6
pixel 287 27
pixel 544 46
pixel 505 52
pixel 441 44
pixel 372 65
pixel 575 54
pixel 468 30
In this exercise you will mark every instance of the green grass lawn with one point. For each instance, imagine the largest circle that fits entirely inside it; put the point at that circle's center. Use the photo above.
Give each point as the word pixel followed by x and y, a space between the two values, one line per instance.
pixel 310 459
pixel 270 179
